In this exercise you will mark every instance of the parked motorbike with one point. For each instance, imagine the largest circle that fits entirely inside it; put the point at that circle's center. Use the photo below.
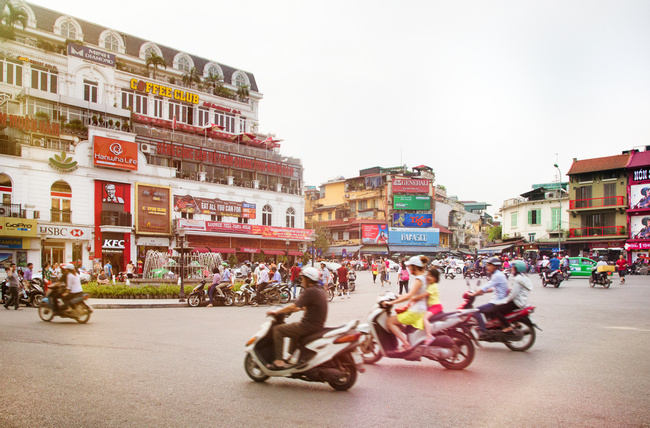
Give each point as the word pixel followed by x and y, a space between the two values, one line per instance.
pixel 453 347
pixel 553 278
pixel 32 295
pixel 601 276
pixel 352 280
pixel 80 310
pixel 329 355
pixel 271 295
pixel 520 339
pixel 200 294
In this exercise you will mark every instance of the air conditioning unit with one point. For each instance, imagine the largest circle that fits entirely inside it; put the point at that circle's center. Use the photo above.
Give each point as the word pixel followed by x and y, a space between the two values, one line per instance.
pixel 3 211
pixel 347 195
pixel 148 148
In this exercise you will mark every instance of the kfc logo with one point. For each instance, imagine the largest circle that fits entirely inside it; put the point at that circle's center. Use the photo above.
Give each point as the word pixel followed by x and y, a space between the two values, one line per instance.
pixel 114 244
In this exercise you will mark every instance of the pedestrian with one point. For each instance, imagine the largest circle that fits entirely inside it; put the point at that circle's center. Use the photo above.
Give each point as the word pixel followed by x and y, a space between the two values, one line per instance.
pixel 343 281
pixel 14 287
pixel 130 270
pixel 621 265
pixel 108 268
pixel 295 278
pixel 387 271
pixel 57 270
pixel 375 271
pixel 262 282
pixel 382 272
pixel 403 276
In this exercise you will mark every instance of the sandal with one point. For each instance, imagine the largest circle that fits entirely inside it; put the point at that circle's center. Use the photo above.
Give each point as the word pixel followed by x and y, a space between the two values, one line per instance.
pixel 403 349
pixel 272 366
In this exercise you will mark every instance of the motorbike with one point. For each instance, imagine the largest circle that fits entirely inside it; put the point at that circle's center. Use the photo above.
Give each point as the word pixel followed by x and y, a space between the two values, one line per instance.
pixel 601 276
pixel 32 295
pixel 453 346
pixel 352 279
pixel 553 278
pixel 199 295
pixel 329 355
pixel 271 295
pixel 566 273
pixel 520 339
pixel 450 272
pixel 80 311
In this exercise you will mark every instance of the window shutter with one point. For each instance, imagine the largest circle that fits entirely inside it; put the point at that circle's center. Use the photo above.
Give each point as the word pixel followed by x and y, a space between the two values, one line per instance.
pixel 530 217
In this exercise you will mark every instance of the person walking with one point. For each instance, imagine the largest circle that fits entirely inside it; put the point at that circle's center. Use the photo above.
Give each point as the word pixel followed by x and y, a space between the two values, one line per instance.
pixel 375 271
pixel 14 288
pixel 295 278
pixel 343 281
pixel 382 272
pixel 621 265
pixel 403 276
pixel 108 268
pixel 387 271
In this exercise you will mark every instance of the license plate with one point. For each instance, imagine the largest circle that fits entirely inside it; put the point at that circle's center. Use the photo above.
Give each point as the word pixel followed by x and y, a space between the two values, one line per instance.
pixel 356 357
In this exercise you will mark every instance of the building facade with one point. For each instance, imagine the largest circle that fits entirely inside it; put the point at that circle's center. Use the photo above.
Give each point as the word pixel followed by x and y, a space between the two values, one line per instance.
pixel 104 155
pixel 638 212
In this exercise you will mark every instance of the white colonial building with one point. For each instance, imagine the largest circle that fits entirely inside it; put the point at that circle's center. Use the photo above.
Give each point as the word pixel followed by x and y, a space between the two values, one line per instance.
pixel 104 156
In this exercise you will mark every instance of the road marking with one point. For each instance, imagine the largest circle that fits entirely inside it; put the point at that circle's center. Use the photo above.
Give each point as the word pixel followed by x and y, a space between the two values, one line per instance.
pixel 628 328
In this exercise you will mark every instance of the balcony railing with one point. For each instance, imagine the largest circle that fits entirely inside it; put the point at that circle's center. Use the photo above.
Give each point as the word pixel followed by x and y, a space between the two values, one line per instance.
pixel 582 232
pixel 111 218
pixel 60 216
pixel 608 201
pixel 12 210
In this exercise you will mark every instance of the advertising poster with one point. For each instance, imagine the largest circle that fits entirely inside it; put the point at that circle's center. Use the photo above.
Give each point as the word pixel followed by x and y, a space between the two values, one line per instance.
pixel 414 236
pixel 640 196
pixel 412 220
pixel 374 234
pixel 411 202
pixel 113 193
pixel 196 205
pixel 112 153
pixel 401 185
pixel 153 210
pixel 640 227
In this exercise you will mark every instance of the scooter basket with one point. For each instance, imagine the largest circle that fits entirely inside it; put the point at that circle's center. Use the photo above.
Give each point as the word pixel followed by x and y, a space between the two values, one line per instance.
pixel 609 268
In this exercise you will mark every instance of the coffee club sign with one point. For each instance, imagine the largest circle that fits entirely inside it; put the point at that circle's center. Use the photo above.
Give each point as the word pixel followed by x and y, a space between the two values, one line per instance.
pixel 164 91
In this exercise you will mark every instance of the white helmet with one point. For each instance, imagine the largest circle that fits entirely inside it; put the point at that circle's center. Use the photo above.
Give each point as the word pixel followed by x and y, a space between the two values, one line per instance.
pixel 414 261
pixel 311 273
pixel 68 266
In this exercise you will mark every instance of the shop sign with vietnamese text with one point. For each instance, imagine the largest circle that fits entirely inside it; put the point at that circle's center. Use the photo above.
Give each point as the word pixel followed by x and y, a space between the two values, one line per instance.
pixel 153 209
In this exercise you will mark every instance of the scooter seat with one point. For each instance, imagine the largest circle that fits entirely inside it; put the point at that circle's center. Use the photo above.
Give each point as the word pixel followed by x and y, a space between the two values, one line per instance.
pixel 440 316
pixel 316 335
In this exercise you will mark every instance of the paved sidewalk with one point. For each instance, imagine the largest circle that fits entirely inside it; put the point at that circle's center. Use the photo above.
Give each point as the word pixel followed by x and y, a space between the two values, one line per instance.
pixel 136 303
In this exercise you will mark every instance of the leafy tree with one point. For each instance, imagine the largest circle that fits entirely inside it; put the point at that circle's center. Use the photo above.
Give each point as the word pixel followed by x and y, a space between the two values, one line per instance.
pixel 155 61
pixel 494 233
pixel 323 236
pixel 242 92
pixel 14 15
pixel 214 81
pixel 191 77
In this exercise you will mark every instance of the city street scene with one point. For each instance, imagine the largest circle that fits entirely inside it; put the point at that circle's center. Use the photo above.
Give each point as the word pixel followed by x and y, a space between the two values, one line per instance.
pixel 323 214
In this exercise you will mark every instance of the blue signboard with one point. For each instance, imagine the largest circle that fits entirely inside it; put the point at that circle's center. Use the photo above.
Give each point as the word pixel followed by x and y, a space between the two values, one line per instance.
pixel 414 236
pixel 412 220
pixel 11 243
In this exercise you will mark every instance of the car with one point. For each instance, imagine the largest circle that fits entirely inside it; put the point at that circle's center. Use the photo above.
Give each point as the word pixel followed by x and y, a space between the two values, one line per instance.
pixel 581 266
pixel 393 266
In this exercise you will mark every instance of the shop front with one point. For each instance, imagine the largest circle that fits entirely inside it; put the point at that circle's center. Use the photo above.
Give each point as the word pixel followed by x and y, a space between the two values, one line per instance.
pixel 638 214
pixel 62 244
pixel 113 223
pixel 144 244
pixel 16 241
pixel 594 249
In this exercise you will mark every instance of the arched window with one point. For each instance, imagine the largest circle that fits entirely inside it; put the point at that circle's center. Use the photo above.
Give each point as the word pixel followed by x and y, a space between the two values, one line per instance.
pixel 267 213
pixel 239 79
pixel 291 217
pixel 68 30
pixel 5 191
pixel 111 43
pixel 184 64
pixel 212 68
pixel 61 202
pixel 149 51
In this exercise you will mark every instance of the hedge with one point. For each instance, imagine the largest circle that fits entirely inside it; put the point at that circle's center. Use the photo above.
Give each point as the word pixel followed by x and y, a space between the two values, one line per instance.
pixel 123 291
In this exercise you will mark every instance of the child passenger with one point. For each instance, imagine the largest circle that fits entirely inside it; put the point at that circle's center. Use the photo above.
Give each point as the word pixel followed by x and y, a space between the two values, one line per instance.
pixel 433 301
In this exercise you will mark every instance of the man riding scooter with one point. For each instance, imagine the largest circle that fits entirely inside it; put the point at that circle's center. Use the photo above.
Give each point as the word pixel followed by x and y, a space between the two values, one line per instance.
pixel 497 283
pixel 553 267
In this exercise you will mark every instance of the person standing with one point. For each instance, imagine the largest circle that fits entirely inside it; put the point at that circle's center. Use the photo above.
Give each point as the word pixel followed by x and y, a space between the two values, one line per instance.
pixel 382 272
pixel 621 265
pixel 375 271
pixel 108 268
pixel 129 270
pixel 14 286
pixel 387 271
pixel 403 277
pixel 295 278
pixel 262 282
pixel 343 281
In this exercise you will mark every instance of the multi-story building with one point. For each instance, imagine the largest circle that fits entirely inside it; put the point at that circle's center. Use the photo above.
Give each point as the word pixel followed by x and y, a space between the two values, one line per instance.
pixel 597 206
pixel 362 213
pixel 112 145
pixel 539 217
pixel 638 213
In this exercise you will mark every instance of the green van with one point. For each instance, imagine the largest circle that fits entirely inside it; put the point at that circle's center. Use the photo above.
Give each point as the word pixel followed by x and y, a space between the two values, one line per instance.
pixel 581 266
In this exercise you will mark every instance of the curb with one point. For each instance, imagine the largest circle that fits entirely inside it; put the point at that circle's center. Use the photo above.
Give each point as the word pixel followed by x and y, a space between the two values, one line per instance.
pixel 138 306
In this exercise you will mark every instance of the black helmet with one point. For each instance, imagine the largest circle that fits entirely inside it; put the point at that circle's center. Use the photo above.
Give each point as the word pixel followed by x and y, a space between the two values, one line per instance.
pixel 494 261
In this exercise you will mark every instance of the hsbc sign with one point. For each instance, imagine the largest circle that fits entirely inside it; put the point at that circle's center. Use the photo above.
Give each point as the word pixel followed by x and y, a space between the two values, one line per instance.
pixel 79 233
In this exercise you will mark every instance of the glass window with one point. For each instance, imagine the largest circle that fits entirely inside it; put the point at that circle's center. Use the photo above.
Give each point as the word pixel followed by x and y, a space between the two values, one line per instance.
pixel 242 124
pixel 240 80
pixel 158 107
pixel 204 117
pixel 583 197
pixel 184 64
pixel 111 43
pixel 267 212
pixel 149 51
pixel 225 120
pixel 61 202
pixel 214 71
pixel 291 217
pixel 90 91
pixel 513 219
pixel 14 73
pixel 68 30
pixel 609 192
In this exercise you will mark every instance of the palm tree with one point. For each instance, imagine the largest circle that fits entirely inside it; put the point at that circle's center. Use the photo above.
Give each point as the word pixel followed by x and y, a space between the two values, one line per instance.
pixel 14 15
pixel 191 77
pixel 242 92
pixel 155 61
pixel 214 81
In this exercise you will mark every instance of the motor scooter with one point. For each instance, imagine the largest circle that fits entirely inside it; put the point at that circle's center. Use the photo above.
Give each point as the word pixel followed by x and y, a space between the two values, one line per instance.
pixel 601 276
pixel 329 355
pixel 199 295
pixel 553 278
pixel 52 305
pixel 453 346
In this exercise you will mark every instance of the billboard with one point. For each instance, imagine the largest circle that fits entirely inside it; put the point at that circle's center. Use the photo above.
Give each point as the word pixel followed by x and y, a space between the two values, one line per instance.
pixel 640 227
pixel 640 196
pixel 401 185
pixel 250 229
pixel 196 205
pixel 374 234
pixel 411 202
pixel 413 236
pixel 18 227
pixel 91 54
pixel 153 209
pixel 112 153
pixel 412 220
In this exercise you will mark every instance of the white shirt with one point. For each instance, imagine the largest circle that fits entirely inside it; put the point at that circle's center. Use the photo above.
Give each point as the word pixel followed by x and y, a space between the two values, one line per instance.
pixel 74 283
pixel 263 276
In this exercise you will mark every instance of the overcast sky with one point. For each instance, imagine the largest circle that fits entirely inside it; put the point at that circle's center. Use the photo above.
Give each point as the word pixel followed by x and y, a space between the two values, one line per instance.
pixel 484 92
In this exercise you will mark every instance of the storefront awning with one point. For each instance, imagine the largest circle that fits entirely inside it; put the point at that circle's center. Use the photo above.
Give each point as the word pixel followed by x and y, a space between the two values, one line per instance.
pixel 338 251
pixel 295 253
pixel 495 249
pixel 223 250
pixel 374 249
pixel 274 252
pixel 415 249
pixel 201 250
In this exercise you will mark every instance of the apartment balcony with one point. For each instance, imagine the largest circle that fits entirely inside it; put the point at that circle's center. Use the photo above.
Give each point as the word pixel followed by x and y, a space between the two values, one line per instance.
pixel 110 218
pixel 61 216
pixel 606 202
pixel 12 210
pixel 589 232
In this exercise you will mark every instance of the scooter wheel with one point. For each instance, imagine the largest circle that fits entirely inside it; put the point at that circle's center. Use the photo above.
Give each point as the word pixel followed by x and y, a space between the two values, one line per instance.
pixel 370 350
pixel 36 300
pixel 543 283
pixel 608 283
pixel 240 299
pixel 591 282
pixel 194 300
pixel 527 340
pixel 557 284
pixel 46 313
pixel 85 314
pixel 347 380
pixel 253 370
pixel 465 354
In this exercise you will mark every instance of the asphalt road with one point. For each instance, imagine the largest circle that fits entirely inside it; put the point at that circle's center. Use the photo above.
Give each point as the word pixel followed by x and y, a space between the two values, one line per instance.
pixel 184 367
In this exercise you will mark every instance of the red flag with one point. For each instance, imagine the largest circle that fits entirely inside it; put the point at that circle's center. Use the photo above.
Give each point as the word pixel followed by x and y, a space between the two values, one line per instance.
pixel 174 123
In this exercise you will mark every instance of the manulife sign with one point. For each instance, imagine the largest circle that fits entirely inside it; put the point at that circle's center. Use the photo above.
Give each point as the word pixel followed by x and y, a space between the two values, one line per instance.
pixel 411 202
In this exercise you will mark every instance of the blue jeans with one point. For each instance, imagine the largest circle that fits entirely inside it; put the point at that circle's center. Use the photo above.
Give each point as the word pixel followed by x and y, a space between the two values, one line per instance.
pixel 295 284
pixel 483 309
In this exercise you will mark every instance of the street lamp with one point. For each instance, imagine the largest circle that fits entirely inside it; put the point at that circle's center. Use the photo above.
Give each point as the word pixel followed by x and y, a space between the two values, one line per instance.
pixel 181 244
pixel 288 243
pixel 559 235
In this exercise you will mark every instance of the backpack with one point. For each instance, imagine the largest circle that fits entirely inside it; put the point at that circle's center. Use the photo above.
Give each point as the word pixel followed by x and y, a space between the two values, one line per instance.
pixel 404 276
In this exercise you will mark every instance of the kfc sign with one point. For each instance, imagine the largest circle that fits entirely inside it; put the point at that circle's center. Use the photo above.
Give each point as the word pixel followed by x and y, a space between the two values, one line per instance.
pixel 113 244
pixel 112 153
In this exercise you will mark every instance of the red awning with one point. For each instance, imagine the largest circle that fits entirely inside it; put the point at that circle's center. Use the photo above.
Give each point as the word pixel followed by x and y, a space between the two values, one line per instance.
pixel 274 252
pixel 249 250
pixel 223 250
pixel 296 253
pixel 201 250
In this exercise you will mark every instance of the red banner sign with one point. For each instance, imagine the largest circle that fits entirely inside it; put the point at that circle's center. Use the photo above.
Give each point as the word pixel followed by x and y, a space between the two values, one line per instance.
pixel 250 229
pixel 112 153
pixel 218 226
pixel 410 185
pixel 196 205
pixel 283 232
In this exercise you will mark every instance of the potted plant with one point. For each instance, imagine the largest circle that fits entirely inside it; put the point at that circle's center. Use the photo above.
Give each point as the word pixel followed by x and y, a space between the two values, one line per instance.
pixel 94 120
pixel 117 125
pixel 110 123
